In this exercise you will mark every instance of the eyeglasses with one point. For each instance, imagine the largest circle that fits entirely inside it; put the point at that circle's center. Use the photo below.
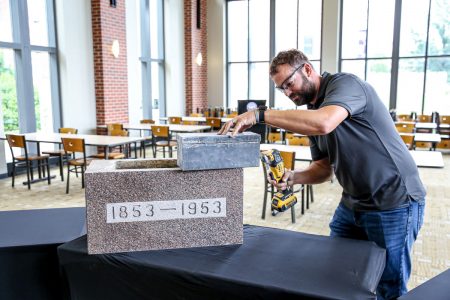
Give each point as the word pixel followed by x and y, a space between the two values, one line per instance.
pixel 287 83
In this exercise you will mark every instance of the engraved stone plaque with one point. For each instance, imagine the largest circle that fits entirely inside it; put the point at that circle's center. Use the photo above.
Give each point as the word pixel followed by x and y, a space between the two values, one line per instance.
pixel 147 204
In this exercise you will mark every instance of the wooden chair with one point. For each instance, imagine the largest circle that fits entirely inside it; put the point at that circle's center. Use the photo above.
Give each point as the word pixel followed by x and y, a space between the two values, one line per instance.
pixel 405 127
pixel 274 137
pixel 404 118
pixel 114 155
pixel 215 123
pixel 443 129
pixel 60 153
pixel 423 118
pixel 75 165
pixel 161 138
pixel 147 121
pixel 148 139
pixel 26 160
pixel 408 139
pixel 289 163
pixel 443 145
pixel 114 126
pixel 174 120
pixel 298 141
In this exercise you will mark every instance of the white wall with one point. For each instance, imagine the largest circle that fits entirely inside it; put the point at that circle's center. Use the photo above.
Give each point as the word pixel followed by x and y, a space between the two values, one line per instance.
pixel 216 53
pixel 76 65
pixel 174 50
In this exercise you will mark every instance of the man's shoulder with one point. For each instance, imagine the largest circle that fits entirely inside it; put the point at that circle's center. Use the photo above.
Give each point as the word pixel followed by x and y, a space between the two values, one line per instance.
pixel 343 77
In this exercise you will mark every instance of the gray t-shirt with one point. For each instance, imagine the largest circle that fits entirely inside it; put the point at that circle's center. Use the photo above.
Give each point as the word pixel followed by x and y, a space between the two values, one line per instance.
pixel 370 160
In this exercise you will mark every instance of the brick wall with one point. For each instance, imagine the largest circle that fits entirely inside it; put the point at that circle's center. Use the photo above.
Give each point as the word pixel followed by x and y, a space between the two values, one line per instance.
pixel 111 84
pixel 195 41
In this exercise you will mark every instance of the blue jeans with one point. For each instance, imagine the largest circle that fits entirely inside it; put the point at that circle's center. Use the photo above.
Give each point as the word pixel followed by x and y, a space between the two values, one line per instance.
pixel 394 230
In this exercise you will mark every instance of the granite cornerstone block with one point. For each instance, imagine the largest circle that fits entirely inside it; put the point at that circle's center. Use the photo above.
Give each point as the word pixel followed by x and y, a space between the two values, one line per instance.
pixel 205 151
pixel 137 205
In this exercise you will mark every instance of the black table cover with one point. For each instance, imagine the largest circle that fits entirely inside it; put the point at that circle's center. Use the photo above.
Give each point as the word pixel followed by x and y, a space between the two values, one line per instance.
pixel 29 267
pixel 437 288
pixel 271 264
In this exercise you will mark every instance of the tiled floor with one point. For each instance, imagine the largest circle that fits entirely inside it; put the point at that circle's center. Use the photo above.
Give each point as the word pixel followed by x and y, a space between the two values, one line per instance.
pixel 431 254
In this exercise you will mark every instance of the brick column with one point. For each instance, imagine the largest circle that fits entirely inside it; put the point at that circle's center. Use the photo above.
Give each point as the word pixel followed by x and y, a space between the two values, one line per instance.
pixel 195 41
pixel 111 82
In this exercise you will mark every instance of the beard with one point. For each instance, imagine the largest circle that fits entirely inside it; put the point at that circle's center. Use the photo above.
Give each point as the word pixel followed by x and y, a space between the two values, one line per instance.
pixel 306 94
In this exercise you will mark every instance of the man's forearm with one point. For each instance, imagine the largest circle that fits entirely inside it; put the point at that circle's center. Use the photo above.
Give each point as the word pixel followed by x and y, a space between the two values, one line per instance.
pixel 317 172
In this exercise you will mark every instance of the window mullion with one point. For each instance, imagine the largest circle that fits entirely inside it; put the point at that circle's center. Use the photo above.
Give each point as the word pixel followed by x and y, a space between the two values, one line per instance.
pixel 24 76
pixel 395 54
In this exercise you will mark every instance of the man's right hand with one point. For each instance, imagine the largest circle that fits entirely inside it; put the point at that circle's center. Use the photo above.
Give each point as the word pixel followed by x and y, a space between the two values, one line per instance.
pixel 287 180
pixel 239 123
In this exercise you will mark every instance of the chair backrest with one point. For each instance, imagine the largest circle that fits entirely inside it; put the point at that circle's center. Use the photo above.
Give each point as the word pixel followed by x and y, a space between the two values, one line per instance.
pixel 444 119
pixel 119 132
pixel 424 118
pixel 16 140
pixel 405 127
pixel 444 144
pixel 298 141
pixel 160 131
pixel 147 121
pixel 174 120
pixel 288 159
pixel 404 117
pixel 114 126
pixel 68 130
pixel 408 139
pixel 273 137
pixel 74 145
pixel 213 122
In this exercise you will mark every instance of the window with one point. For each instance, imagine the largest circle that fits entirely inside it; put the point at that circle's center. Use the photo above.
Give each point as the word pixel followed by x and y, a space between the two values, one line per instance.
pixel 404 53
pixel 253 40
pixel 28 68
pixel 152 59
pixel 366 43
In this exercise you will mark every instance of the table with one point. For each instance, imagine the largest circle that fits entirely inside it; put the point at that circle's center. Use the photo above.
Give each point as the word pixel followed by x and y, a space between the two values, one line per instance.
pixel 105 141
pixel 437 288
pixel 195 119
pixel 430 159
pixel 271 264
pixel 28 257
pixel 420 125
pixel 302 153
pixel 172 127
pixel 434 138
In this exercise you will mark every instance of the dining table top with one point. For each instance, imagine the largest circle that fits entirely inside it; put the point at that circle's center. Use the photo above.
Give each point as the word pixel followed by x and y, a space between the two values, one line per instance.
pixel 89 139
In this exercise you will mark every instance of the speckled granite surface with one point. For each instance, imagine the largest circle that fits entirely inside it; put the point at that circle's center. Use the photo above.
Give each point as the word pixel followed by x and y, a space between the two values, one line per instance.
pixel 146 181
pixel 206 151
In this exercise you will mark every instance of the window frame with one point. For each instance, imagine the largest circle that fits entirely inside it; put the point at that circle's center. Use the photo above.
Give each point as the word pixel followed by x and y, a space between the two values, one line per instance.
pixel 147 60
pixel 249 62
pixel 395 57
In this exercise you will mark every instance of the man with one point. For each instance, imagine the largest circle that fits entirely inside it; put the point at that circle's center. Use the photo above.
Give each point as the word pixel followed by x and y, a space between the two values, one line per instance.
pixel 351 134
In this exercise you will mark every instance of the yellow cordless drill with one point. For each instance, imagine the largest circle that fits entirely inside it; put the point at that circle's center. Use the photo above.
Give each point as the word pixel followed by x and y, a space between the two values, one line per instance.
pixel 281 200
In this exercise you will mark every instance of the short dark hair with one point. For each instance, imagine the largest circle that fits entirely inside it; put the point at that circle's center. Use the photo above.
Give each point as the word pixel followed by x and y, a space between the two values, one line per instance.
pixel 292 57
